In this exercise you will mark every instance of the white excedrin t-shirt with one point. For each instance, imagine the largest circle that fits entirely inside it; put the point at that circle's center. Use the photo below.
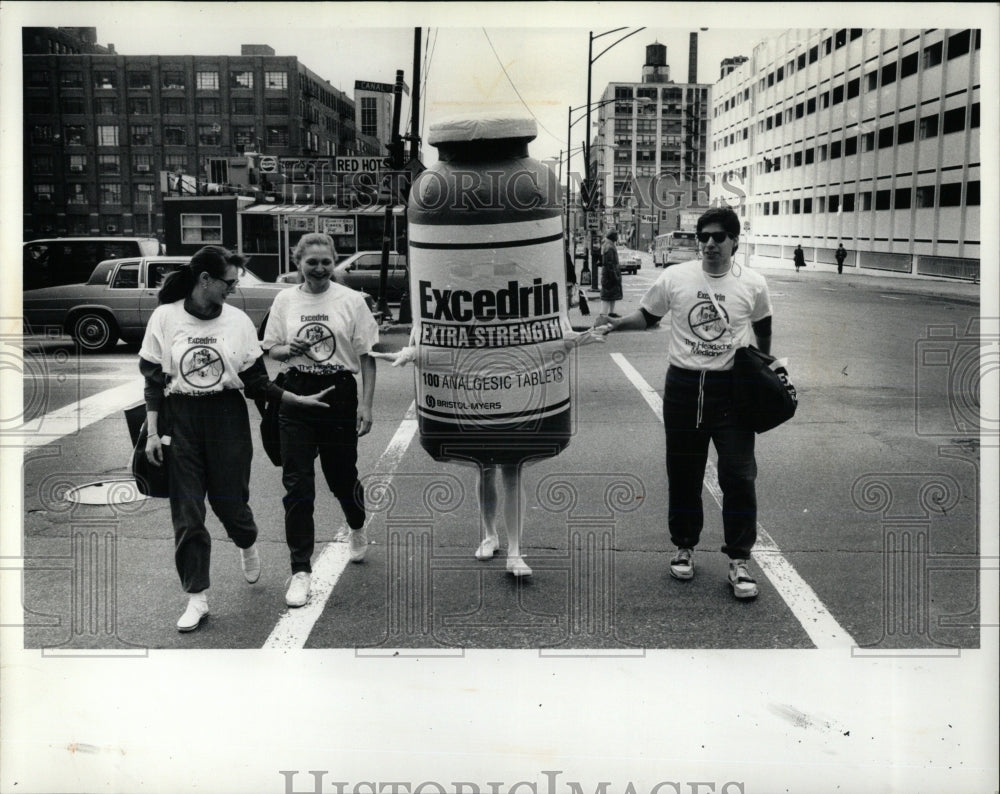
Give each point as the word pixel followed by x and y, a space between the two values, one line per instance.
pixel 698 339
pixel 200 356
pixel 337 322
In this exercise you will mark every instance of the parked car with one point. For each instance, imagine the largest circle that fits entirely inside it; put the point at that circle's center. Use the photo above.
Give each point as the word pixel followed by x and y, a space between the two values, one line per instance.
pixel 360 271
pixel 629 261
pixel 56 261
pixel 118 299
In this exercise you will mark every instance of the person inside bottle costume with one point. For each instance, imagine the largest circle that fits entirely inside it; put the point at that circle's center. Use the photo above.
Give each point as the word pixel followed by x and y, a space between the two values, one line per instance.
pixel 491 335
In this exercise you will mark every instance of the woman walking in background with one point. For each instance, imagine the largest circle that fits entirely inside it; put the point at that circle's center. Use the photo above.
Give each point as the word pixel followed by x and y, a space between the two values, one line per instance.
pixel 201 358
pixel 611 275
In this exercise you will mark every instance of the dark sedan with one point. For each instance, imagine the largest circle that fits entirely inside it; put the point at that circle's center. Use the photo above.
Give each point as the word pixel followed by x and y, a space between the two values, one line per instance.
pixel 118 299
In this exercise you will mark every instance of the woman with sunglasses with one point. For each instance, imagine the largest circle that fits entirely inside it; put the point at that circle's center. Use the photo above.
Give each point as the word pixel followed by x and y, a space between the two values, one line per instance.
pixel 713 307
pixel 323 332
pixel 201 359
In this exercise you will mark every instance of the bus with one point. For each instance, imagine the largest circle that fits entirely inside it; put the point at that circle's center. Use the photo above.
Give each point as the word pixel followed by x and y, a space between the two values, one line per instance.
pixel 673 247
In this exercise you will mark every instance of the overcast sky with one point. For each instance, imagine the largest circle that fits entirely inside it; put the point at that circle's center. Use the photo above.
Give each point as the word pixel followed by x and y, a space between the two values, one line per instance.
pixel 477 61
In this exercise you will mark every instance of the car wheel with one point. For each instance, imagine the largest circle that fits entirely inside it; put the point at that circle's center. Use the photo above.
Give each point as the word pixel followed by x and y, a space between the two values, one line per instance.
pixel 95 332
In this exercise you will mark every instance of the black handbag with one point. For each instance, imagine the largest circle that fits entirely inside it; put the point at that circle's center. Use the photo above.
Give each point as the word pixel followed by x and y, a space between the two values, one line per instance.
pixel 763 394
pixel 150 480
pixel 270 436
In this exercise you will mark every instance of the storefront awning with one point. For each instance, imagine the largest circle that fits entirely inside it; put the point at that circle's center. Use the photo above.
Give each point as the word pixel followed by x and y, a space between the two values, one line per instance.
pixel 317 209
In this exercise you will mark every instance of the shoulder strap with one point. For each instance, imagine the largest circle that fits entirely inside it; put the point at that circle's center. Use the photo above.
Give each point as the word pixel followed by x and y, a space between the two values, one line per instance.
pixel 715 303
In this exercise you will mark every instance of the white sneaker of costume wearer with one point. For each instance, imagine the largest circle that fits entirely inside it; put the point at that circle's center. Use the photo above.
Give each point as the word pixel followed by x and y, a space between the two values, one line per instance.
pixel 517 566
pixel 743 584
pixel 298 589
pixel 488 548
pixel 250 563
pixel 197 610
pixel 358 543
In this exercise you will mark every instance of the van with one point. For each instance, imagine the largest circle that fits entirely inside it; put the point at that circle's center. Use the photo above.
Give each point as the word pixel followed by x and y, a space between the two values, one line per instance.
pixel 70 260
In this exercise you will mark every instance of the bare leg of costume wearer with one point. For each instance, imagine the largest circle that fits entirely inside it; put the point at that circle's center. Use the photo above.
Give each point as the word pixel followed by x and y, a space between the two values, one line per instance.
pixel 496 483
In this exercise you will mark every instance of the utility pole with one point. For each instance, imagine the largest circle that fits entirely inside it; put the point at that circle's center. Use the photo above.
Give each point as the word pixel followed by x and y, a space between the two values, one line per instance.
pixel 395 147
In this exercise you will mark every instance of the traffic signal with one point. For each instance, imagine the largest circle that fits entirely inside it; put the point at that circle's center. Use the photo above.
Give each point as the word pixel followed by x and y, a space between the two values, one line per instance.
pixel 395 159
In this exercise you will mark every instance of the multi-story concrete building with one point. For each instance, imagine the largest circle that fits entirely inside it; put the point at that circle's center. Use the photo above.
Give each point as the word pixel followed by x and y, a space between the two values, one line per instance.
pixel 651 142
pixel 868 138
pixel 101 128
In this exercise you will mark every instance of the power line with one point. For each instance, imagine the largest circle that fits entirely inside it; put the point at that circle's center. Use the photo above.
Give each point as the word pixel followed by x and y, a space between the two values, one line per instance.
pixel 428 59
pixel 487 35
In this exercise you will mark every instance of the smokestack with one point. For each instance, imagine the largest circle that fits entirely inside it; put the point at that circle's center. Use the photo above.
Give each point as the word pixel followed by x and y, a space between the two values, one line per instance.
pixel 693 58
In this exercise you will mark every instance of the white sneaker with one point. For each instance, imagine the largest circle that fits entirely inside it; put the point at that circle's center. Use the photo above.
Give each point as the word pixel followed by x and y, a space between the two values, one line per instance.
pixel 298 590
pixel 250 562
pixel 682 566
pixel 197 610
pixel 358 544
pixel 488 548
pixel 518 567
pixel 743 584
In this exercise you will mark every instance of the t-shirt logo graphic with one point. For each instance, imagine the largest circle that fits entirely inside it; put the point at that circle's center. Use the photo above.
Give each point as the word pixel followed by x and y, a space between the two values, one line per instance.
pixel 202 367
pixel 705 323
pixel 322 344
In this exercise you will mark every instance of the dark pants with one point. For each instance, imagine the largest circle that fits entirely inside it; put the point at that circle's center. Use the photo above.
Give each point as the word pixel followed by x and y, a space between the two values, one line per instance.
pixel 687 437
pixel 332 434
pixel 210 454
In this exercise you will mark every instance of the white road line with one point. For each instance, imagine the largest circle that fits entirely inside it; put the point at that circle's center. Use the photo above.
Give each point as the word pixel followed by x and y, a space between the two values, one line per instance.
pixel 822 628
pixel 294 626
pixel 72 418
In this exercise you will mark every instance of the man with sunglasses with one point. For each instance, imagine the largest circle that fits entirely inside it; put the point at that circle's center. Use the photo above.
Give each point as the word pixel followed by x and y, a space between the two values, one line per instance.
pixel 698 394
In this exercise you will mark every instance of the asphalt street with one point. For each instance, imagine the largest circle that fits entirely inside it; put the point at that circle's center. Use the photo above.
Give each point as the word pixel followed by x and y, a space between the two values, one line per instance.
pixel 868 506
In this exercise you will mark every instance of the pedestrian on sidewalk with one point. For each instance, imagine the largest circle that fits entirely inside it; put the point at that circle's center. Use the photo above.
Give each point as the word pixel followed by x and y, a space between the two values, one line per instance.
pixel 611 275
pixel 323 333
pixel 571 287
pixel 799 257
pixel 841 255
pixel 201 361
pixel 698 394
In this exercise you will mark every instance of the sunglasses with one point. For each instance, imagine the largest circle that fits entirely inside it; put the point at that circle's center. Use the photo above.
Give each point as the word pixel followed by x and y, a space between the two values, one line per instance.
pixel 229 282
pixel 719 237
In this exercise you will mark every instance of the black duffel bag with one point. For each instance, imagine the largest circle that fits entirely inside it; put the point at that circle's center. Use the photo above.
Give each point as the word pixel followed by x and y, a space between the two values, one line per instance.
pixel 150 480
pixel 763 394
pixel 270 436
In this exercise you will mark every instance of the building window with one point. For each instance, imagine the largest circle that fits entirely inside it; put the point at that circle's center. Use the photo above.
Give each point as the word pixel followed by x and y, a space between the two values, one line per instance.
pixel 41 133
pixel 950 195
pixel 838 94
pixel 75 135
pixel 141 134
pixel 172 79
pixel 76 193
pixel 142 163
pixel 138 105
pixel 242 106
pixel 810 156
pixel 175 162
pixel 885 137
pixel 244 136
pixel 139 80
pixel 854 88
pixel 954 120
pixel 207 106
pixel 925 196
pixel 904 133
pixel 798 159
pixel 824 100
pixel 814 54
pixel 807 206
pixel 276 80
pixel 840 39
pixel 39 78
pixel 972 194
pixel 277 136
pixel 835 203
pixel 850 146
pixel 871 80
pixel 108 164
pixel 210 134
pixel 369 115
pixel 909 65
pixel 957 45
pixel 795 206
pixel 811 106
pixel 106 104
pixel 276 106
pixel 206 81
pixel 868 142
pixel 800 63
pixel 902 198
pixel 883 199
pixel 889 73
pixel 820 203
pixel 834 150
pixel 197 229
pixel 174 135
pixel 43 191
pixel 107 135
pixel 175 106
pixel 848 202
pixel 928 127
pixel 932 55
pixel 105 79
pixel 821 152
pixel 241 79
pixel 68 104
pixel 865 198
pixel 42 163
pixel 110 193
